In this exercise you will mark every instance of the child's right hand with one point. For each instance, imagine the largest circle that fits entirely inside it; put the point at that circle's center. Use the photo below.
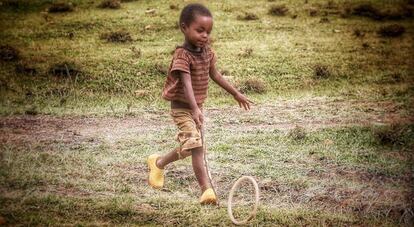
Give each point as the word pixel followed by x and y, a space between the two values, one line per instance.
pixel 198 117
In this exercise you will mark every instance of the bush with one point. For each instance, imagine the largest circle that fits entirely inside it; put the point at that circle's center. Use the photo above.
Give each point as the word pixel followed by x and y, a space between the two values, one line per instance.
pixel 174 7
pixel 393 30
pixel 25 68
pixel 321 72
pixel 117 36
pixel 297 133
pixel 9 53
pixel 395 13
pixel 248 16
pixel 111 4
pixel 278 10
pixel 61 7
pixel 392 135
pixel 247 52
pixel 253 85
pixel 313 11
pixel 64 69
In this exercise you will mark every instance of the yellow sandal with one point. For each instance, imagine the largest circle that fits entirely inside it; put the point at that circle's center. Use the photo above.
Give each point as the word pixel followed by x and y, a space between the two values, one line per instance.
pixel 156 175
pixel 208 197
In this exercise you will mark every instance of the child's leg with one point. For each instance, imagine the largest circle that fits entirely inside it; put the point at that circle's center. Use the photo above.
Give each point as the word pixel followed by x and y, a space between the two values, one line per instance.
pixel 171 156
pixel 199 169
pixel 208 196
pixel 157 163
pixel 197 160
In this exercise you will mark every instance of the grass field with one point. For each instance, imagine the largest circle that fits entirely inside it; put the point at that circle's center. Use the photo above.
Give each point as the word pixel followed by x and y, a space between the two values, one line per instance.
pixel 329 138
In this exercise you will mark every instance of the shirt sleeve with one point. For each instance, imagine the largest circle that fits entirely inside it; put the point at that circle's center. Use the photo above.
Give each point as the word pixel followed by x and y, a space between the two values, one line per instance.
pixel 180 62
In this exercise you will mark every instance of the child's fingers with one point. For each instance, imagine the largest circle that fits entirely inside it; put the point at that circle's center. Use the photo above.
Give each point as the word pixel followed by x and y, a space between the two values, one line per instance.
pixel 245 106
pixel 201 120
pixel 197 121
pixel 248 105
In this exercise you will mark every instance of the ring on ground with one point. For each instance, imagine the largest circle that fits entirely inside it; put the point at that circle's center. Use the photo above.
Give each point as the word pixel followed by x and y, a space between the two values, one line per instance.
pixel 230 200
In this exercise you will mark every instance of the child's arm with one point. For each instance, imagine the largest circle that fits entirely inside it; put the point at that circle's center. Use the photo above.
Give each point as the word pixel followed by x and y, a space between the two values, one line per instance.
pixel 219 79
pixel 189 94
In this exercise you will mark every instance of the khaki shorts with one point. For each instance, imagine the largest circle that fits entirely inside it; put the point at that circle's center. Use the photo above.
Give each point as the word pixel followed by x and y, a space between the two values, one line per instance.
pixel 188 134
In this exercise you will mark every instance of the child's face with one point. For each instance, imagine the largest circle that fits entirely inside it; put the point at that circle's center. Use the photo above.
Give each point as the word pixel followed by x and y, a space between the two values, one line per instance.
pixel 197 32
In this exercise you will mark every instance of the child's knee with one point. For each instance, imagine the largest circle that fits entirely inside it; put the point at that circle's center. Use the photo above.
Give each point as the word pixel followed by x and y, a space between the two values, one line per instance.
pixel 197 150
pixel 182 154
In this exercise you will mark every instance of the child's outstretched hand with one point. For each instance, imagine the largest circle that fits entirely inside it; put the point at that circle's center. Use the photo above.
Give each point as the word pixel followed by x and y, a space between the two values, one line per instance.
pixel 243 101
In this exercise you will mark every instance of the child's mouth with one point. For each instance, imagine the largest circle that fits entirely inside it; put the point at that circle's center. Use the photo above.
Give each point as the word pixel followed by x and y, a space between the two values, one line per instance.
pixel 201 44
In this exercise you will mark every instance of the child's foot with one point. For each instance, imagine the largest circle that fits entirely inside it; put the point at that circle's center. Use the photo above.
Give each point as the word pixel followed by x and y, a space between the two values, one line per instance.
pixel 156 175
pixel 208 197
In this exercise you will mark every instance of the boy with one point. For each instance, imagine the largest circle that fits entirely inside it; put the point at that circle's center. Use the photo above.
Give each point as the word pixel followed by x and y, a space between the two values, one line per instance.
pixel 186 86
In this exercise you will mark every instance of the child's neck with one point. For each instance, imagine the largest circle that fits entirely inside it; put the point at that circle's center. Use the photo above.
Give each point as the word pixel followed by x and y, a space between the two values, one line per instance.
pixel 191 47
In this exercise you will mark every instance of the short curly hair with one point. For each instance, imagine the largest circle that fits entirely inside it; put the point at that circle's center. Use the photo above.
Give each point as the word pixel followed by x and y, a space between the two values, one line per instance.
pixel 190 11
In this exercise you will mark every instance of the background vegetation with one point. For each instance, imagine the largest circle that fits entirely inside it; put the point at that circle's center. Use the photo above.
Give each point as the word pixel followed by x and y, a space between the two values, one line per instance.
pixel 330 138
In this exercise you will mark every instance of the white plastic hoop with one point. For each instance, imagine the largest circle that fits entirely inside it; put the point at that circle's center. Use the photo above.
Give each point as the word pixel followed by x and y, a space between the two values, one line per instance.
pixel 230 200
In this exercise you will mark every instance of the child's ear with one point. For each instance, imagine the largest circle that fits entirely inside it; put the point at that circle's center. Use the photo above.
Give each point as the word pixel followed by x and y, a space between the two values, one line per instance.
pixel 183 27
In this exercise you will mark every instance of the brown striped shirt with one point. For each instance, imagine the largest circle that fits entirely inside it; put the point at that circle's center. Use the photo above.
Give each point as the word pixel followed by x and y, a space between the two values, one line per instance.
pixel 197 64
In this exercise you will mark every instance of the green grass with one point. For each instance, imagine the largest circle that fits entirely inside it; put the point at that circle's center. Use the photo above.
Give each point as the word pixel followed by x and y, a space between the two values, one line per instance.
pixel 81 159
pixel 284 53
pixel 58 182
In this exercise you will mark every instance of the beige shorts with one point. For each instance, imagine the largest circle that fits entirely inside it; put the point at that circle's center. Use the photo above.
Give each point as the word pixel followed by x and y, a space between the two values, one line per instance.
pixel 188 134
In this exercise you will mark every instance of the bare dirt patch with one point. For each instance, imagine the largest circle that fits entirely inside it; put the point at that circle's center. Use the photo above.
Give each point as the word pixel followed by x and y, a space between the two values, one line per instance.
pixel 34 129
pixel 283 115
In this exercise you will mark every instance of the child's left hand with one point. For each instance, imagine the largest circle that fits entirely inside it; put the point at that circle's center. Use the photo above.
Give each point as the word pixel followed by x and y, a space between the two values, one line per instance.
pixel 243 101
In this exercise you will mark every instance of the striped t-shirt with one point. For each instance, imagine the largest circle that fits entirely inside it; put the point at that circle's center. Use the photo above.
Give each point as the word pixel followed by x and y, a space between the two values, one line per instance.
pixel 197 64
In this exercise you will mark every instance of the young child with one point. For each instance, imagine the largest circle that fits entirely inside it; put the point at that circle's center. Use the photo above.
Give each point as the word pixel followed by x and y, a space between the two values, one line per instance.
pixel 186 86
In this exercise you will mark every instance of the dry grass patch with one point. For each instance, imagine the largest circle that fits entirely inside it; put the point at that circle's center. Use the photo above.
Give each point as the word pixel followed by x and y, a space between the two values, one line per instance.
pixel 120 36
pixel 278 10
